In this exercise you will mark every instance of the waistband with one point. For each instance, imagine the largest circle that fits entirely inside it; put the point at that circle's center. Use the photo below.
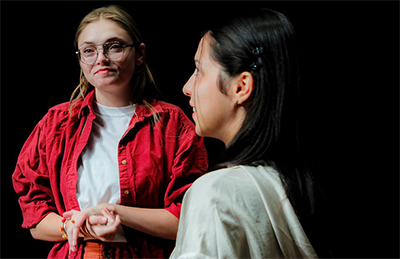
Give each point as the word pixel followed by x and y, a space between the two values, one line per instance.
pixel 95 249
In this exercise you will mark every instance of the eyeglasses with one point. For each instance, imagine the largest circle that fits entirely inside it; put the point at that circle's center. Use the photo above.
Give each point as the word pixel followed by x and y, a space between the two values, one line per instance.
pixel 112 50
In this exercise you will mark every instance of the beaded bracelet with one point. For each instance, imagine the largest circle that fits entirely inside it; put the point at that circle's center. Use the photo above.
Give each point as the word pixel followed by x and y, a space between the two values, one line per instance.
pixel 63 226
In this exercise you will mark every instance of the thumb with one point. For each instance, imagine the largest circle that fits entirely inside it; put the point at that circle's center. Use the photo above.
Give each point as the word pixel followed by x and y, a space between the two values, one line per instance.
pixel 68 214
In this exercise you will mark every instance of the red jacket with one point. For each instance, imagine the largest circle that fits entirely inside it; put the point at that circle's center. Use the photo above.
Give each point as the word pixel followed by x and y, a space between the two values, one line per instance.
pixel 157 163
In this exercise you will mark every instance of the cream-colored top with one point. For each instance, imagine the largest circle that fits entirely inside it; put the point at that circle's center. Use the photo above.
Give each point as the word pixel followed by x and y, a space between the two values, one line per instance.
pixel 240 212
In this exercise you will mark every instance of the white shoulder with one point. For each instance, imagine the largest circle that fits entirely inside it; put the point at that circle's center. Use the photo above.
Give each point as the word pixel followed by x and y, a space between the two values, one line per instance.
pixel 237 178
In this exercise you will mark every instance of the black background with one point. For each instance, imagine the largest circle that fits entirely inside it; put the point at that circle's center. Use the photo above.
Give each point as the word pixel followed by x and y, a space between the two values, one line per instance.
pixel 350 83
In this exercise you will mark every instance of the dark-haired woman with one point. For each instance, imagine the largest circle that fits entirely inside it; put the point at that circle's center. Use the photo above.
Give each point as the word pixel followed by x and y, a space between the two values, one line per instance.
pixel 241 93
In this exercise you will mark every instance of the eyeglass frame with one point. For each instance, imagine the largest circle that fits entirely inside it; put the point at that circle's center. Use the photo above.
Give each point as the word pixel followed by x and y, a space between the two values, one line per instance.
pixel 78 53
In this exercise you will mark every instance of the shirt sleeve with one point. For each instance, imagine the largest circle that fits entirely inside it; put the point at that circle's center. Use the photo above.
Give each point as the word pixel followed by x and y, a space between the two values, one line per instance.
pixel 31 179
pixel 209 227
pixel 189 163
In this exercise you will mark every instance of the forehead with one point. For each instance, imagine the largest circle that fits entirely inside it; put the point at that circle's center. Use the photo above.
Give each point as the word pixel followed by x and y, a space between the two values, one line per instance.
pixel 101 30
pixel 203 53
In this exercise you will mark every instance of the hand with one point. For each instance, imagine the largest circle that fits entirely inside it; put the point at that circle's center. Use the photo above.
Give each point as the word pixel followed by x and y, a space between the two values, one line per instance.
pixel 95 228
pixel 107 231
pixel 85 224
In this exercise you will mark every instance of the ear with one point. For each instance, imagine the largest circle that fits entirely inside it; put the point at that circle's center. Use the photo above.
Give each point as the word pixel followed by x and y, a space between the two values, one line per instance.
pixel 140 54
pixel 243 88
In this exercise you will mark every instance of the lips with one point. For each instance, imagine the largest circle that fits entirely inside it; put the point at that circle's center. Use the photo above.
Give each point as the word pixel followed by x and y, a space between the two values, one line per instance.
pixel 194 111
pixel 193 107
pixel 104 71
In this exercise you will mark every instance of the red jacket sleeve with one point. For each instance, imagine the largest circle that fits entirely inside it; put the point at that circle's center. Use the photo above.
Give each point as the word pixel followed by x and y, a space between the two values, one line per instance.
pixel 31 179
pixel 190 162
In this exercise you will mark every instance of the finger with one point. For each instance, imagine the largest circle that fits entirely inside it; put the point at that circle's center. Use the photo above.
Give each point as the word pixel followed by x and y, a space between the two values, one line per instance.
pixel 76 221
pixel 112 226
pixel 117 221
pixel 79 218
pixel 112 229
pixel 70 230
pixel 106 211
pixel 68 214
pixel 97 220
pixel 109 215
pixel 73 238
pixel 108 232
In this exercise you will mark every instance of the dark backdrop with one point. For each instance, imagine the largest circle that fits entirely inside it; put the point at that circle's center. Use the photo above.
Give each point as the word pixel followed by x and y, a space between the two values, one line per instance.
pixel 350 83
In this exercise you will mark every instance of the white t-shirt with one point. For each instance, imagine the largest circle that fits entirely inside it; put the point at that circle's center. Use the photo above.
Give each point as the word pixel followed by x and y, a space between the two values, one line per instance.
pixel 240 212
pixel 98 171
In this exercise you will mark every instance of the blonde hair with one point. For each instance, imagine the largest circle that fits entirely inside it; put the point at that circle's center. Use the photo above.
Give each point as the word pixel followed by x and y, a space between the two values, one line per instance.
pixel 143 85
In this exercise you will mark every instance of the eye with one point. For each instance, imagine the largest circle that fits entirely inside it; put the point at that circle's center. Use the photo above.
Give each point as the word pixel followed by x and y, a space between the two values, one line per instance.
pixel 115 47
pixel 88 51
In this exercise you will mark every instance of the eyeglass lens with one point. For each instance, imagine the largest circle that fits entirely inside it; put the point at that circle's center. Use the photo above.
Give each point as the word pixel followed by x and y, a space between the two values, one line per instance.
pixel 112 50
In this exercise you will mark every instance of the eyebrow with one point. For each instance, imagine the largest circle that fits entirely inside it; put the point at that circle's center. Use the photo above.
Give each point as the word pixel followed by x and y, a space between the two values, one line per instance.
pixel 108 40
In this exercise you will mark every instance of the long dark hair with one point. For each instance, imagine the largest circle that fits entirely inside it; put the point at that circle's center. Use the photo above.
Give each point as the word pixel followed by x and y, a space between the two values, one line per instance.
pixel 263 43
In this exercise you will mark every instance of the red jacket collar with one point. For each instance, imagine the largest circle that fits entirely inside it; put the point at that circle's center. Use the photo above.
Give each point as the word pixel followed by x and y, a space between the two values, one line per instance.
pixel 142 111
pixel 87 102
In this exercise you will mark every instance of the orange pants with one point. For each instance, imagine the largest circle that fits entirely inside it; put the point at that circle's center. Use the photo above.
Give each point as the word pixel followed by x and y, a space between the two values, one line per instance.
pixel 105 250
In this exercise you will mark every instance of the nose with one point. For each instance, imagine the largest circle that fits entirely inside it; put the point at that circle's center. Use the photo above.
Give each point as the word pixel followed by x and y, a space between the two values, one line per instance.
pixel 101 56
pixel 187 88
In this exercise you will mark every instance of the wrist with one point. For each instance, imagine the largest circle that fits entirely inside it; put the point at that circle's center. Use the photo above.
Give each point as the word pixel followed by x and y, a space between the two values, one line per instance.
pixel 114 208
pixel 63 228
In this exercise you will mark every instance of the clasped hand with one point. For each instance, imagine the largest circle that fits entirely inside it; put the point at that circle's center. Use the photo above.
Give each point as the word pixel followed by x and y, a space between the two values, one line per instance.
pixel 98 222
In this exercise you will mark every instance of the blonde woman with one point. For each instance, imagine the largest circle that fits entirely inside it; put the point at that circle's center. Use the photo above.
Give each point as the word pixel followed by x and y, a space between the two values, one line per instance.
pixel 104 174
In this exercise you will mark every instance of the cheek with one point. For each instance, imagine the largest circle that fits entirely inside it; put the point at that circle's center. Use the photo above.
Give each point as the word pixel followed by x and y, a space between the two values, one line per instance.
pixel 130 62
pixel 209 111
pixel 209 121
pixel 86 69
pixel 127 68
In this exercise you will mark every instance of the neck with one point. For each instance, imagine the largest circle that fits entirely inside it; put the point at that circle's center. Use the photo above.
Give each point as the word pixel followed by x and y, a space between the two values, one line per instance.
pixel 112 99
pixel 234 126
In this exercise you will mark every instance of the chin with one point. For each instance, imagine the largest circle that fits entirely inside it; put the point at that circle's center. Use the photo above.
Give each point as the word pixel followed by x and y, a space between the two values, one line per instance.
pixel 199 132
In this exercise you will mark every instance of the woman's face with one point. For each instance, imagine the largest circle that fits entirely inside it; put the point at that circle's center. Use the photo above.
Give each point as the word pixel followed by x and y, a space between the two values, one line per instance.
pixel 110 78
pixel 213 111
